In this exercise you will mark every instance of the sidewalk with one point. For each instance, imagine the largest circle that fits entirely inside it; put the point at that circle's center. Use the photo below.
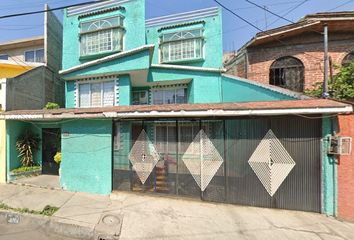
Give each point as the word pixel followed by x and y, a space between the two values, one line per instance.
pixel 150 217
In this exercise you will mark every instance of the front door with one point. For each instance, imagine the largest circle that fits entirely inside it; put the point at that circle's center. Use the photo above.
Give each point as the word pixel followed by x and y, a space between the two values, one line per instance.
pixel 51 139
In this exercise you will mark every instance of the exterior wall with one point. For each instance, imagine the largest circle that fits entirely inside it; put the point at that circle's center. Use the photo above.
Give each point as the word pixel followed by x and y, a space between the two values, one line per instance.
pixel 329 170
pixel 213 50
pixel 43 87
pixel 237 91
pixel 346 172
pixel 14 129
pixel 307 47
pixel 134 24
pixel 2 151
pixel 125 91
pixel 18 54
pixel 87 156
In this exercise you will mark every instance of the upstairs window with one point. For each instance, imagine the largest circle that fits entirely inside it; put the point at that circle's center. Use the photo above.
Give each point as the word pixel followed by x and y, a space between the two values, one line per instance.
pixel 35 56
pixel 182 46
pixel 101 36
pixel 97 94
pixel 348 59
pixel 287 72
pixel 140 97
pixel 170 96
pixel 4 57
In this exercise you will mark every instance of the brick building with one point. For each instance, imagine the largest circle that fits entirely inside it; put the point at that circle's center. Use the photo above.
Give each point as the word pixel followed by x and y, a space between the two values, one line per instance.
pixel 292 56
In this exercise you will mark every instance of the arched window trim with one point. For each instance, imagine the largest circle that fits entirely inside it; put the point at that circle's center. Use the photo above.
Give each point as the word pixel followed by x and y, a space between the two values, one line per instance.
pixel 346 60
pixel 287 72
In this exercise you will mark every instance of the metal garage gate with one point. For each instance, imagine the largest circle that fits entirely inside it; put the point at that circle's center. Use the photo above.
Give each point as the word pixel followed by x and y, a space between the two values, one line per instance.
pixel 267 162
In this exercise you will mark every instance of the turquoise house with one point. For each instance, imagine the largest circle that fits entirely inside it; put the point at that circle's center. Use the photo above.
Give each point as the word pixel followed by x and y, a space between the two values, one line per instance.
pixel 149 109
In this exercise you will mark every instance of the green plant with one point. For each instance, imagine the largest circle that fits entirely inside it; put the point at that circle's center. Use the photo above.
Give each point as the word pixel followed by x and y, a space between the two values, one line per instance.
pixel 341 87
pixel 47 211
pixel 57 157
pixel 51 105
pixel 26 145
pixel 26 169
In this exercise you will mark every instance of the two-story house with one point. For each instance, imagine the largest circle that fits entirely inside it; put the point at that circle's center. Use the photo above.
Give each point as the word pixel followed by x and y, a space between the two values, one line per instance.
pixel 148 109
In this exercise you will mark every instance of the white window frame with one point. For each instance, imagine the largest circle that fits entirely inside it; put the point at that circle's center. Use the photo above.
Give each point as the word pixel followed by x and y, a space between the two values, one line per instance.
pixel 162 42
pixel 168 89
pixel 78 83
pixel 120 29
pixel 34 54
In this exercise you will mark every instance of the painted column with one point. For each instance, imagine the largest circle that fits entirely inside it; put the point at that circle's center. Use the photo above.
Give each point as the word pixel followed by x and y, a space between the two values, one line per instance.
pixel 329 170
pixel 125 89
pixel 2 151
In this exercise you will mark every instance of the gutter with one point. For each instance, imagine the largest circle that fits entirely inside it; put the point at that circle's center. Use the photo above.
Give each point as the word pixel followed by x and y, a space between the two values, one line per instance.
pixel 195 113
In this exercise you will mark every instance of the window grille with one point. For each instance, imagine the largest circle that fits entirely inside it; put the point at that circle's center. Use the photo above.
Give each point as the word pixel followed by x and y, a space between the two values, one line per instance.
pixel 100 36
pixel 287 72
pixel 96 94
pixel 185 45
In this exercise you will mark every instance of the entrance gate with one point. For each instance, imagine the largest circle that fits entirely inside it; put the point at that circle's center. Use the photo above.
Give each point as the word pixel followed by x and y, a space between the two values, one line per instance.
pixel 267 162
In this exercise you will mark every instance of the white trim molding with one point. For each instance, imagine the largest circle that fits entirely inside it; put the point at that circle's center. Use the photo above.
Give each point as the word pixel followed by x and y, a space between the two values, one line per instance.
pixel 94 7
pixel 106 59
pixel 179 67
pixel 182 17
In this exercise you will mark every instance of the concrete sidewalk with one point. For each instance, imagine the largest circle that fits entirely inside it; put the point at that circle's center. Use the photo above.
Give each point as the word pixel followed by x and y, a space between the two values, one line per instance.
pixel 154 217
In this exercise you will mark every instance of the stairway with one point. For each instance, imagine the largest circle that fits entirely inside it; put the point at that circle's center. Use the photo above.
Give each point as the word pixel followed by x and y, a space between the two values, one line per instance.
pixel 161 179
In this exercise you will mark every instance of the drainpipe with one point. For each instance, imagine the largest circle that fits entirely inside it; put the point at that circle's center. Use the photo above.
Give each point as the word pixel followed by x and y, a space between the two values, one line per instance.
pixel 326 62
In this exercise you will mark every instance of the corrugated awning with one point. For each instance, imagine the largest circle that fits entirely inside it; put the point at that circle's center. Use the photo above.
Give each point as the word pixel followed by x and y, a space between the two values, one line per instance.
pixel 314 106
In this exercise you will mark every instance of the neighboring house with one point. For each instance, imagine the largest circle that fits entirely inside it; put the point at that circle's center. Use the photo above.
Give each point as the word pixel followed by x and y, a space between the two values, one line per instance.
pixel 292 56
pixel 148 109
pixel 29 69
pixel 29 76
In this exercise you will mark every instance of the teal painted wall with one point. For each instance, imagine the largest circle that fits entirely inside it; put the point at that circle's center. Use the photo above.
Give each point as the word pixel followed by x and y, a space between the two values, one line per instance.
pixel 125 91
pixel 237 91
pixel 213 48
pixel 87 156
pixel 14 129
pixel 134 24
pixel 329 170
pixel 70 87
pixel 204 87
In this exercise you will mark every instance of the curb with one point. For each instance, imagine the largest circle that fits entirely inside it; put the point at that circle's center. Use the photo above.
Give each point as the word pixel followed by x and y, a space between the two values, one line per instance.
pixel 48 224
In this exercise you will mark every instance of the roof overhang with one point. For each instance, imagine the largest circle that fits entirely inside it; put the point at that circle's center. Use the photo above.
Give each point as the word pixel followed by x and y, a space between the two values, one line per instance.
pixel 76 71
pixel 274 108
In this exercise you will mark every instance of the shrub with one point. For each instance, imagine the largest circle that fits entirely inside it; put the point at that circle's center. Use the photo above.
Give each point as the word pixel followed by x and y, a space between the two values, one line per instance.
pixel 340 87
pixel 26 145
pixel 26 169
pixel 51 105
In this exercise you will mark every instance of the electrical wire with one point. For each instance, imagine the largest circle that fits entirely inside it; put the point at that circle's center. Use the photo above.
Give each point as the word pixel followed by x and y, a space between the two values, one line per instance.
pixel 259 29
pixel 341 5
pixel 290 11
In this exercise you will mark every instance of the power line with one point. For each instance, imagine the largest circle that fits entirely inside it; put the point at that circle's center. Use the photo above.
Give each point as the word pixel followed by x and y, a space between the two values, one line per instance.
pixel 341 5
pixel 49 10
pixel 291 10
pixel 259 29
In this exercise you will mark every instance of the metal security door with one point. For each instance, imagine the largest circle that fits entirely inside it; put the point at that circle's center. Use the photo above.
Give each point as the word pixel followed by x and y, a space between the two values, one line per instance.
pixel 274 162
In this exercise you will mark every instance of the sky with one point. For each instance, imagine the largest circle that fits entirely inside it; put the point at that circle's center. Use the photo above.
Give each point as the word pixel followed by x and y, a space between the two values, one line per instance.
pixel 235 32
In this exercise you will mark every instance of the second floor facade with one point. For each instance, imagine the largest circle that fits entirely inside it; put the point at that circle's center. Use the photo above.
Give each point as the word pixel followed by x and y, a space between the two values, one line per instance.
pixel 112 56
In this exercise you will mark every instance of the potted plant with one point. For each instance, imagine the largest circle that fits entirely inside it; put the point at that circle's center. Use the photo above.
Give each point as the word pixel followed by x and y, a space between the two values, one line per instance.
pixel 57 159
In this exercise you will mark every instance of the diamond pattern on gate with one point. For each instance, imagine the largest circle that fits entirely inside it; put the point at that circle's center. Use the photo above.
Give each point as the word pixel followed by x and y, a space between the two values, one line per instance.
pixel 271 162
pixel 143 156
pixel 202 160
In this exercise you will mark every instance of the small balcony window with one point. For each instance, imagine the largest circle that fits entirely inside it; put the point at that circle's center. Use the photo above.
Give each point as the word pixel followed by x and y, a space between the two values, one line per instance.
pixel 170 96
pixel 182 46
pixel 101 36
pixel 140 98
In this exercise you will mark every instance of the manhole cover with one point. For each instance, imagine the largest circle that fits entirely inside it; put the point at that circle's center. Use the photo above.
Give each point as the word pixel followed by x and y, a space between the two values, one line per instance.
pixel 110 220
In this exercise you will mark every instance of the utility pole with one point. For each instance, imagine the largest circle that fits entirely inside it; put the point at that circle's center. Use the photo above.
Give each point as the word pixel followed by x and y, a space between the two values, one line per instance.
pixel 326 62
